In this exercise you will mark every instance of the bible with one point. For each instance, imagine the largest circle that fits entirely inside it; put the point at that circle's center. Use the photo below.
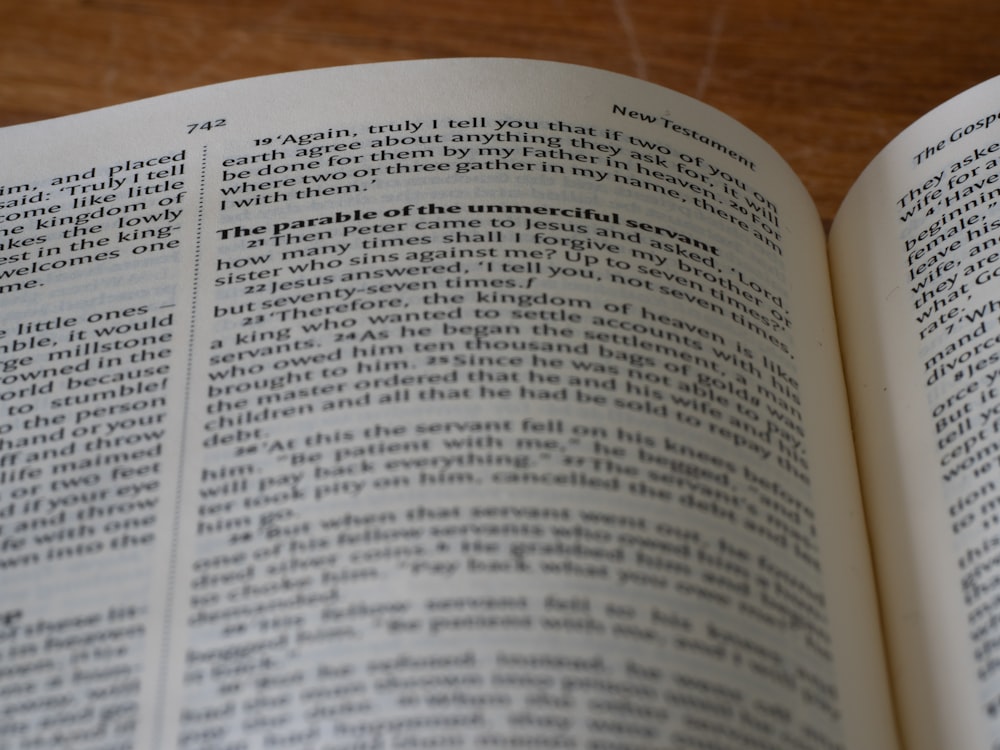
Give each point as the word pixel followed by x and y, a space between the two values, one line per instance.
pixel 493 404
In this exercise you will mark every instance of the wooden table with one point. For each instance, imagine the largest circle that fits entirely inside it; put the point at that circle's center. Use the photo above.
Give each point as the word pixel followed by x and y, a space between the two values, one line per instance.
pixel 827 82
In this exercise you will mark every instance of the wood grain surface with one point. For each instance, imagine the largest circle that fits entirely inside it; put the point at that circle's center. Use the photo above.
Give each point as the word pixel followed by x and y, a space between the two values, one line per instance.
pixel 826 82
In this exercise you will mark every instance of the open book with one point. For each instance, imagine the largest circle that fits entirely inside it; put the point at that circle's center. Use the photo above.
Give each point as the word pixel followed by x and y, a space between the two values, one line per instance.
pixel 493 404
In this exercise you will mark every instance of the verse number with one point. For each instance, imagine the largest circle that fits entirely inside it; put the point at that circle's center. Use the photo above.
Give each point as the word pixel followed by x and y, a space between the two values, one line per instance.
pixel 207 125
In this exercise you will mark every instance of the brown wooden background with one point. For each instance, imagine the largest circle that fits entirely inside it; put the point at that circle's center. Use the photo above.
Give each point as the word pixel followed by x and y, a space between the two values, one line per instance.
pixel 827 82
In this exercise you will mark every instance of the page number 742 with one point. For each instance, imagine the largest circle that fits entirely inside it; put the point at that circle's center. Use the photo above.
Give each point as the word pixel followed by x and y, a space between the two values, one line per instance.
pixel 207 125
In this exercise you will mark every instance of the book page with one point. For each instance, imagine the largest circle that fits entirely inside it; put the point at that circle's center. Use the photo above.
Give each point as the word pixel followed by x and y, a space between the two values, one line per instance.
pixel 440 404
pixel 915 264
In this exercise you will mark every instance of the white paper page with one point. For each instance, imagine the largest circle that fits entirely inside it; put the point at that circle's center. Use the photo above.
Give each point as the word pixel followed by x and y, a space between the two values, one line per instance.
pixel 487 402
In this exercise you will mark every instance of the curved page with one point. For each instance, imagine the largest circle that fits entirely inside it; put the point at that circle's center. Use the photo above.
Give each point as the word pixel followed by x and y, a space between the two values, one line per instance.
pixel 469 403
pixel 914 261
